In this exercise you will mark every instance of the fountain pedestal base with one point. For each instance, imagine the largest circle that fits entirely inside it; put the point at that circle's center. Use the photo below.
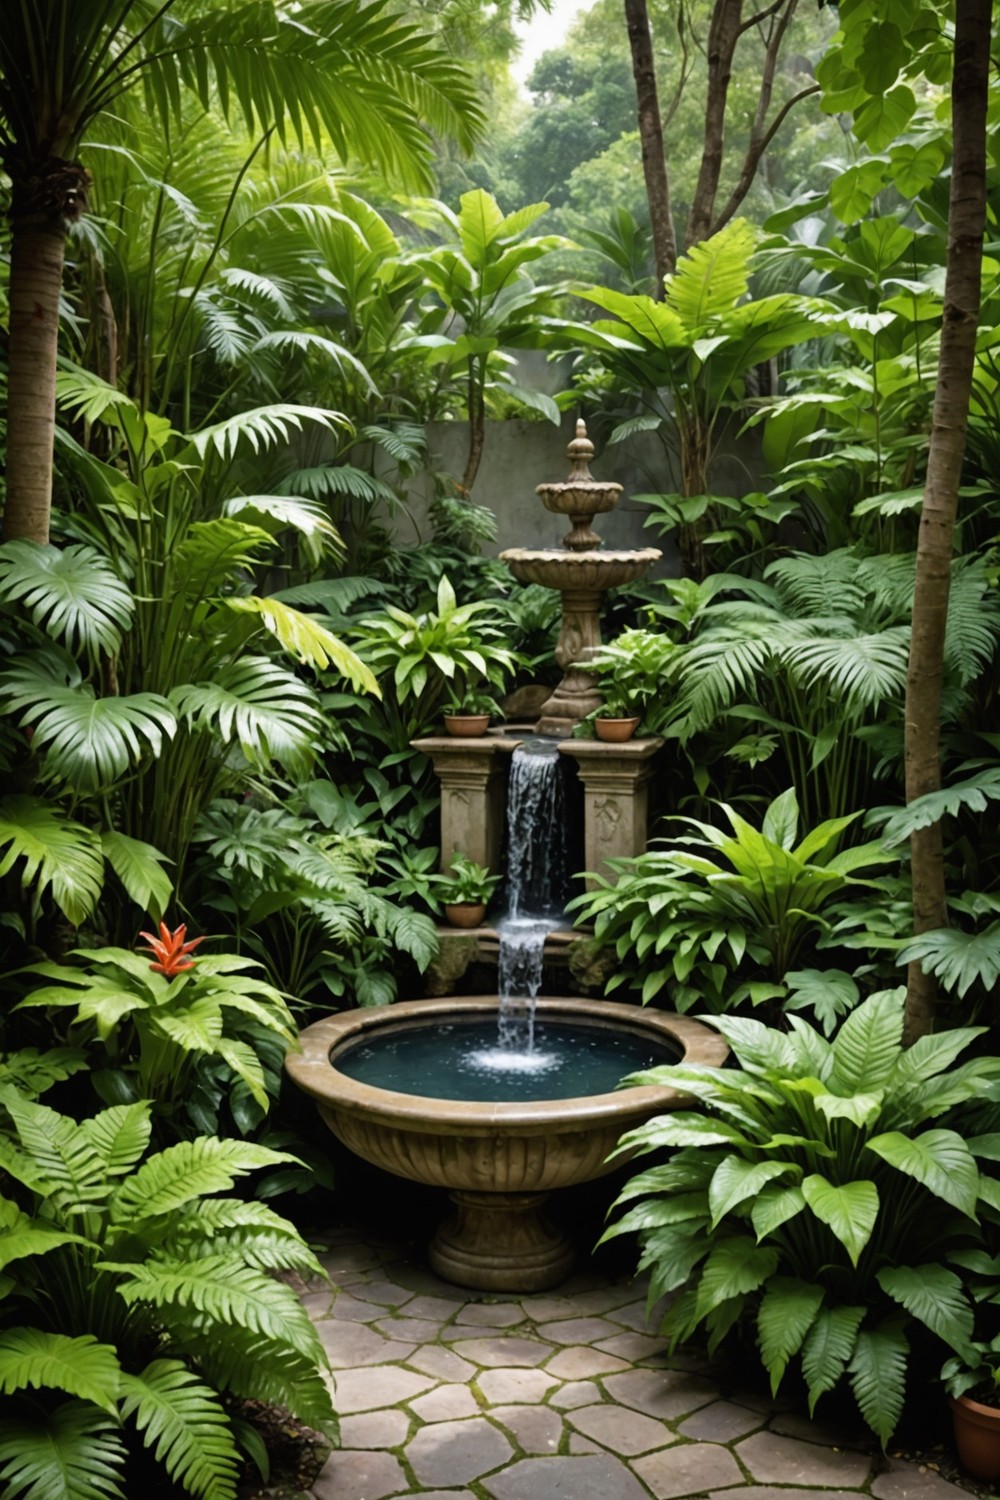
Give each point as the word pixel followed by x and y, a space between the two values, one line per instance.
pixel 501 1242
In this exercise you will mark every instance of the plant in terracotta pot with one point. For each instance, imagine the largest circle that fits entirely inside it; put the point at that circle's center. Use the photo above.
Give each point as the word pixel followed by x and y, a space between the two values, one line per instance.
pixel 468 712
pixel 972 1378
pixel 631 676
pixel 464 891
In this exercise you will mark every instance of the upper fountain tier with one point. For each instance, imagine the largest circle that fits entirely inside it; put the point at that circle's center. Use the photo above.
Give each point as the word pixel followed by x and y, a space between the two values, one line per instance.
pixel 581 563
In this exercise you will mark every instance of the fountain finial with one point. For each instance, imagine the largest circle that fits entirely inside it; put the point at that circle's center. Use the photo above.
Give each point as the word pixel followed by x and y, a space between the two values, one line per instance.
pixel 579 451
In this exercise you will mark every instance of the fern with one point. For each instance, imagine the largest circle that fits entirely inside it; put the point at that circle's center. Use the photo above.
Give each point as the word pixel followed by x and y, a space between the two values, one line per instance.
pixel 73 1453
pixel 186 1427
pixel 31 1358
pixel 189 1170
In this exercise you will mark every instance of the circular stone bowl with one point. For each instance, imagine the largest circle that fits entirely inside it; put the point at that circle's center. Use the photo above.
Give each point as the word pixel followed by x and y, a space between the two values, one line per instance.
pixel 500 1160
pixel 557 568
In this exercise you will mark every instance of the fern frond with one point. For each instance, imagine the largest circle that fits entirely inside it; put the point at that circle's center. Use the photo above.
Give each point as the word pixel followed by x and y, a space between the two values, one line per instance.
pixel 181 1173
pixel 186 1427
pixel 264 1369
pixel 31 1359
pixel 74 1453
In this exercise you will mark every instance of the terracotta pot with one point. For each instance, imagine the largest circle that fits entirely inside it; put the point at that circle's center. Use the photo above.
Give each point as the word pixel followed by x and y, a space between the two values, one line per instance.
pixel 466 726
pixel 614 731
pixel 977 1436
pixel 465 913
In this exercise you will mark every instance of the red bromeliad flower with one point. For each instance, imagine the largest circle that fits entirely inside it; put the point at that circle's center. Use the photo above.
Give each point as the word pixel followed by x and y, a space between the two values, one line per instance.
pixel 170 950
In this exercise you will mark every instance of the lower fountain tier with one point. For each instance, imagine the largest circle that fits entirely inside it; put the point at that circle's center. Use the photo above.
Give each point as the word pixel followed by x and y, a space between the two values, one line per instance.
pixel 598 570
pixel 524 1150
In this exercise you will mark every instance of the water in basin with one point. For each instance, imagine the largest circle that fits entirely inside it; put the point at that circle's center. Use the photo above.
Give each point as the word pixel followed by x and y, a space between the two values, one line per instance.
pixel 463 1060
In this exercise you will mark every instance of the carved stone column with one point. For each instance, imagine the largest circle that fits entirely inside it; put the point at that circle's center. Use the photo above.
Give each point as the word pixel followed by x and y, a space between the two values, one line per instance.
pixel 615 798
pixel 472 773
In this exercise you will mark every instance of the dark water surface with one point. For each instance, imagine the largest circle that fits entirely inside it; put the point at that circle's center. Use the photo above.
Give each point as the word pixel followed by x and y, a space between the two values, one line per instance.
pixel 462 1060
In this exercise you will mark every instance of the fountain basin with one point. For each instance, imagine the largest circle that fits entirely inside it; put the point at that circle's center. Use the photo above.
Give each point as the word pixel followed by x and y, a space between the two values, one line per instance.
pixel 556 568
pixel 499 1160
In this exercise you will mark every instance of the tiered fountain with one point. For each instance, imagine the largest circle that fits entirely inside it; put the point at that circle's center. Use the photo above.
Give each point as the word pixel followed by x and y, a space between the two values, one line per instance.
pixel 502 1101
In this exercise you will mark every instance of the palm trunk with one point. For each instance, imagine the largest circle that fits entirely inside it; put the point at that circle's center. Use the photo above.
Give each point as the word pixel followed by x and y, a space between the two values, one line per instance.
pixel 44 201
pixel 966 223
pixel 654 160
pixel 477 428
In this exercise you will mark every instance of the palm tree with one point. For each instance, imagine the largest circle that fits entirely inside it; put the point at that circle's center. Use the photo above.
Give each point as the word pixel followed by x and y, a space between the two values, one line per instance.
pixel 353 76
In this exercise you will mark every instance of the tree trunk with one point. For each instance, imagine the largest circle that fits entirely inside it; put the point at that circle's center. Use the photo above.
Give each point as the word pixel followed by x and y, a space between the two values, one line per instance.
pixel 43 202
pixel 966 222
pixel 723 34
pixel 477 427
pixel 654 160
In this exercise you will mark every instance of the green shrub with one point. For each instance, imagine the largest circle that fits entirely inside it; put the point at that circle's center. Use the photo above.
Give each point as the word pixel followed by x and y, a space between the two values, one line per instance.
pixel 134 1290
pixel 814 1196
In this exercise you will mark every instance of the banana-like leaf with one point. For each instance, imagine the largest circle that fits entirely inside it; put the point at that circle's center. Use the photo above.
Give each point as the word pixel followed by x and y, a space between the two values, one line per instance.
pixel 306 640
pixel 71 593
pixel 31 1359
pixel 60 855
pixel 73 1453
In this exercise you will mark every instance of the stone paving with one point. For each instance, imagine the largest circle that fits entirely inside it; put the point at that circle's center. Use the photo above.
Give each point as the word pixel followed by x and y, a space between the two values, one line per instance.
pixel 555 1396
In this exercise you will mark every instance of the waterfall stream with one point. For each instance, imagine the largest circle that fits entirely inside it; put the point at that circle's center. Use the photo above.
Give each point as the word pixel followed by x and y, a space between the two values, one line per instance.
pixel 537 892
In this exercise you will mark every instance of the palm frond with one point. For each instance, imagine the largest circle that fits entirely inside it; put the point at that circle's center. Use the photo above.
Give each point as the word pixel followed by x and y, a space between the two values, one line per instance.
pixel 866 669
pixel 306 640
pixel 262 428
pixel 260 706
pixel 70 593
pixel 60 856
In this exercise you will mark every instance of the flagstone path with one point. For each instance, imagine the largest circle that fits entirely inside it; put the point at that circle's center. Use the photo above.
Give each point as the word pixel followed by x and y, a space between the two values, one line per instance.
pixel 556 1396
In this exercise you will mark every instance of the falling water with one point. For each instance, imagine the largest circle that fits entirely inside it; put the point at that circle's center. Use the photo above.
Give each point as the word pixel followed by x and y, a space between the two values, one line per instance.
pixel 537 892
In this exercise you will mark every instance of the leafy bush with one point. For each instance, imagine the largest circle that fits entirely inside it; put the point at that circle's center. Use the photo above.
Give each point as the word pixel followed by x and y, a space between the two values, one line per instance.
pixel 812 1197
pixel 135 1291
pixel 716 918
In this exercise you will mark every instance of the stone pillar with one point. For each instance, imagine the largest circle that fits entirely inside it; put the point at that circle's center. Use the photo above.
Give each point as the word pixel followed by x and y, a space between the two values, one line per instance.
pixel 472 773
pixel 615 798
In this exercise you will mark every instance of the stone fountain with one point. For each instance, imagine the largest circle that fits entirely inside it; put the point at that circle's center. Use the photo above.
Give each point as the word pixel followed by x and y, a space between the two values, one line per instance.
pixel 582 572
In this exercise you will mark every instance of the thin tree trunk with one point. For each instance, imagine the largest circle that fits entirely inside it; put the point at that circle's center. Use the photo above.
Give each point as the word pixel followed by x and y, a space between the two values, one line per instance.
pixel 477 429
pixel 44 201
pixel 654 160
pixel 36 265
pixel 723 34
pixel 966 223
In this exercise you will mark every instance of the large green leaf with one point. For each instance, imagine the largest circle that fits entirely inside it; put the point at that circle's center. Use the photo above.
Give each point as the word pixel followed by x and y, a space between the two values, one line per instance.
pixel 73 1453
pixel 120 1135
pixel 735 1266
pixel 936 1296
pixel 306 640
pixel 867 1045
pixel 86 741
pixel 184 1423
pixel 71 593
pixel 737 1179
pixel 878 1377
pixel 787 1311
pixel 774 1207
pixel 958 959
pixel 849 1210
pixel 139 867
pixel 261 706
pixel 828 1347
pixel 712 277
pixel 81 1366
pixel 60 855
pixel 939 1159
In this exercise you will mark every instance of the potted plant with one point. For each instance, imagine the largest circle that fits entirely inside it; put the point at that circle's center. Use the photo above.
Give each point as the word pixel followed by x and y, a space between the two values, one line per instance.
pixel 468 713
pixel 631 673
pixel 973 1386
pixel 465 891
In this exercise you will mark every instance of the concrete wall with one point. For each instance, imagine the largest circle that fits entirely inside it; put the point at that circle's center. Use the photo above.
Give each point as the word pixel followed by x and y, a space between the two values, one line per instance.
pixel 520 454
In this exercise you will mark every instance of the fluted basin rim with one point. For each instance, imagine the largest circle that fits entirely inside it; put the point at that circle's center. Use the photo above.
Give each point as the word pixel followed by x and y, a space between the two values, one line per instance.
pixel 314 1070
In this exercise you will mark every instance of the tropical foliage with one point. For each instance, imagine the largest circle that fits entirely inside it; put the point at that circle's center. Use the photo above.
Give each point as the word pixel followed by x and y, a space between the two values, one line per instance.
pixel 819 1191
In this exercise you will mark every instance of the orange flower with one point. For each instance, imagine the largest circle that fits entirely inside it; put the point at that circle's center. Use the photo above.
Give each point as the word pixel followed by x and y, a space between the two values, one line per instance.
pixel 170 950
